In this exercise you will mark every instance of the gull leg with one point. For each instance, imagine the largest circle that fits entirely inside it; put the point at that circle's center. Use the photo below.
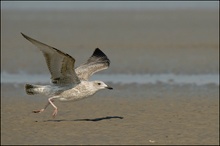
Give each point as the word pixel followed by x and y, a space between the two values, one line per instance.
pixel 41 110
pixel 55 108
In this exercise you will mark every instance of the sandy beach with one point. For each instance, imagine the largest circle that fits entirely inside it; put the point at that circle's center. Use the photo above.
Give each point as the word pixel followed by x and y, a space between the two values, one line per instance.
pixel 160 115
pixel 154 42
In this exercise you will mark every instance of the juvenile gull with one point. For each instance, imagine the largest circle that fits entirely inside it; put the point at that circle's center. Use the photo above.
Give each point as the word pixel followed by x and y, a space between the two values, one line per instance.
pixel 68 83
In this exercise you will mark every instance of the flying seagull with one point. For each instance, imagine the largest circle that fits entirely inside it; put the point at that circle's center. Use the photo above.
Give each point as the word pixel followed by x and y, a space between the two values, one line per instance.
pixel 67 82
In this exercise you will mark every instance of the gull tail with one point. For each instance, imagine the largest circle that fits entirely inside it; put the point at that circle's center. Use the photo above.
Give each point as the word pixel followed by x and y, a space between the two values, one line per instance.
pixel 32 89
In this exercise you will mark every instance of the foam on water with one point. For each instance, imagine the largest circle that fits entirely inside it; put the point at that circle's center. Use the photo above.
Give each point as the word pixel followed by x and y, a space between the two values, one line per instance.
pixel 200 79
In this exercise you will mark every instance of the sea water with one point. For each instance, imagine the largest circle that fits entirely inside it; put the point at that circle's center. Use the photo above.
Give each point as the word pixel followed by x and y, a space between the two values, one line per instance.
pixel 180 79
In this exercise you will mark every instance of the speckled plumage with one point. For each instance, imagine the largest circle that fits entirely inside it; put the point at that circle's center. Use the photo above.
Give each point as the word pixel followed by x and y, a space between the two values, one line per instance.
pixel 68 83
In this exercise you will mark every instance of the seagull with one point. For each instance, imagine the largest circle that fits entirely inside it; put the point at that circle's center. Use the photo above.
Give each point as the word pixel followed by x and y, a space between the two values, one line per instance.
pixel 67 82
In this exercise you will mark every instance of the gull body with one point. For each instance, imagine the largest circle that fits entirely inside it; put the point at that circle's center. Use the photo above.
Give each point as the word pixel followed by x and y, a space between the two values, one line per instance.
pixel 68 83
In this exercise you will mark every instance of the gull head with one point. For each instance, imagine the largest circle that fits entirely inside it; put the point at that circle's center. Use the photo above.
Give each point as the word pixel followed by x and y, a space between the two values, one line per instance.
pixel 101 85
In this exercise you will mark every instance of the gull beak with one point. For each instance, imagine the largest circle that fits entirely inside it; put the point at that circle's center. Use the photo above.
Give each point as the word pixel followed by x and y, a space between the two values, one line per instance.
pixel 110 88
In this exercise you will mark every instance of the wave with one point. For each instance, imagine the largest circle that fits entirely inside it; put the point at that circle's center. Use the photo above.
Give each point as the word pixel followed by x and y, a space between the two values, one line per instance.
pixel 180 79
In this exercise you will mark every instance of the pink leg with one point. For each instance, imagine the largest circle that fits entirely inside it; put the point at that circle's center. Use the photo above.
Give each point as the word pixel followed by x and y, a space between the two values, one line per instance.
pixel 41 110
pixel 55 108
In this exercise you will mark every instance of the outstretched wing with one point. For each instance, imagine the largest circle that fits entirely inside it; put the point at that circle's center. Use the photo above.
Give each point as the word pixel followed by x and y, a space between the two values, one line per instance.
pixel 97 62
pixel 60 64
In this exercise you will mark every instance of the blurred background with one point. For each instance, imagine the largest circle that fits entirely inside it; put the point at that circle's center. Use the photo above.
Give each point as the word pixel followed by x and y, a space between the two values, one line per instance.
pixel 164 71
pixel 138 37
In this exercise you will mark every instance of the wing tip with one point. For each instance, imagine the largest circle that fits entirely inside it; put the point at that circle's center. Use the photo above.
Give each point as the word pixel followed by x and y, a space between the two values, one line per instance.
pixel 23 35
pixel 27 37
pixel 99 53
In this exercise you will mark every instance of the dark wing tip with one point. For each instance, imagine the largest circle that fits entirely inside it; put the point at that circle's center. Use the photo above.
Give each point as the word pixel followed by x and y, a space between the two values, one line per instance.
pixel 99 54
pixel 27 37
pixel 24 35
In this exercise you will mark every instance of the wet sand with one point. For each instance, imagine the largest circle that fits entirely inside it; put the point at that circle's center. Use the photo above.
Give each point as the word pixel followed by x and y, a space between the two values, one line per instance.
pixel 180 42
pixel 130 114
pixel 184 41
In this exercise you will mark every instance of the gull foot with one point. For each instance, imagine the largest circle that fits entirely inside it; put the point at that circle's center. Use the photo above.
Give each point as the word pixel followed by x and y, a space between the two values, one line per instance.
pixel 37 111
pixel 54 113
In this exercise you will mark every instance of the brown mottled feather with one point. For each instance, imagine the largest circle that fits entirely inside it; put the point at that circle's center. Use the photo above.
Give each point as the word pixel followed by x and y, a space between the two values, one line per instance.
pixel 60 64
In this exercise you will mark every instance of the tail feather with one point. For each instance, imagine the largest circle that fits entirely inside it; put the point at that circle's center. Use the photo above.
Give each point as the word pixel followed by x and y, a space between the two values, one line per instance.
pixel 30 89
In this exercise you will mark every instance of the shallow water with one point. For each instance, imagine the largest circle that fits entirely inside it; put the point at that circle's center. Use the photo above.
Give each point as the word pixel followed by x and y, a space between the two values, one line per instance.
pixel 180 79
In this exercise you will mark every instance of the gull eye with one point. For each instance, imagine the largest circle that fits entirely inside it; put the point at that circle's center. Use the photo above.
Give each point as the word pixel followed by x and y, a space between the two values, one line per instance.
pixel 99 83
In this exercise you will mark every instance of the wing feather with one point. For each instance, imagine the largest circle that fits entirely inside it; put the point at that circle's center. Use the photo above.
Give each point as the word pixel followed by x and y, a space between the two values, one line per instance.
pixel 97 62
pixel 60 64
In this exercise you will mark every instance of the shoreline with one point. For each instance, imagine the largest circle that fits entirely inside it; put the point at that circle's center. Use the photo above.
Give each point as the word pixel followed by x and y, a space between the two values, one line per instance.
pixel 169 78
